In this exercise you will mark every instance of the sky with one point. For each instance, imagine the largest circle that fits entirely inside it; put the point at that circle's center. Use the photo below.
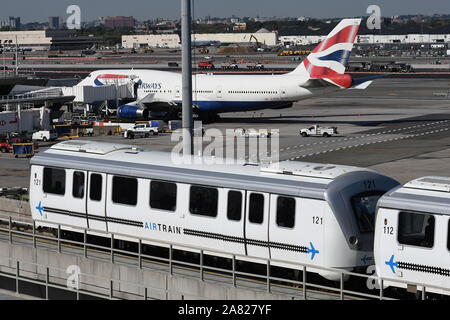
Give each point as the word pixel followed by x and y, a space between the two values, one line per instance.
pixel 40 10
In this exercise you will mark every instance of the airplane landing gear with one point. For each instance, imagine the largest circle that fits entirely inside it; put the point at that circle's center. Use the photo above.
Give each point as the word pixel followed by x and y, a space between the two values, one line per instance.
pixel 209 117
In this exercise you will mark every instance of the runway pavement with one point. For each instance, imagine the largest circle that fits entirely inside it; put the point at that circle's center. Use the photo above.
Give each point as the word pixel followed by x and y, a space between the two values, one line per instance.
pixel 399 127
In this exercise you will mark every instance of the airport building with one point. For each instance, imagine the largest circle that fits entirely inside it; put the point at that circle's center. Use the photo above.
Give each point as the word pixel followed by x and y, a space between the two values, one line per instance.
pixel 46 40
pixel 151 41
pixel 372 39
pixel 263 36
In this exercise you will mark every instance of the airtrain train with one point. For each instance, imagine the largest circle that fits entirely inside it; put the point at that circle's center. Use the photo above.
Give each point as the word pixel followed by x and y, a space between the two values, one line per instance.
pixel 291 213
pixel 412 239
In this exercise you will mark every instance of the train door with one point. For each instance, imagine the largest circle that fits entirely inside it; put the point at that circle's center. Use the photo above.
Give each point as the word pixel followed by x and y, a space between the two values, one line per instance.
pixel 62 200
pixel 285 228
pixel 416 236
pixel 96 201
pixel 257 224
pixel 79 184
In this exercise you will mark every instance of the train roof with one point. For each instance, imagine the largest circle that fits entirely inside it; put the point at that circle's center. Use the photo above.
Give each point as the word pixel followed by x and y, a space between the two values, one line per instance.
pixel 427 194
pixel 286 177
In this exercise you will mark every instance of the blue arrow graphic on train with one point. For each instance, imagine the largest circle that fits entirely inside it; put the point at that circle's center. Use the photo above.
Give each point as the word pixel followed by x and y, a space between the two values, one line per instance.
pixel 392 264
pixel 312 250
pixel 366 259
pixel 40 208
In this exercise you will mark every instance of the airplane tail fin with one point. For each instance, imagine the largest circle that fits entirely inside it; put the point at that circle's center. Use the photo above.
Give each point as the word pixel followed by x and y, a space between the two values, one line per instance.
pixel 328 60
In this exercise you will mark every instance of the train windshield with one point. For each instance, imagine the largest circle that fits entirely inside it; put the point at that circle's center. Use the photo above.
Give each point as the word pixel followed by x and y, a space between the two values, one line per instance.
pixel 364 207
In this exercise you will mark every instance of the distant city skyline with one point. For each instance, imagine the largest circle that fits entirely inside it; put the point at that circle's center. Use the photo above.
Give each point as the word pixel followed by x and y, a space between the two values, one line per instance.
pixel 39 11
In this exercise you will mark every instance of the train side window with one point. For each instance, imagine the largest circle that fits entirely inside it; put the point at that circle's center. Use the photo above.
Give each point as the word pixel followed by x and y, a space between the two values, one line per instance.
pixel 125 190
pixel 78 185
pixel 416 229
pixel 285 212
pixel 203 201
pixel 54 181
pixel 234 205
pixel 95 187
pixel 256 208
pixel 163 195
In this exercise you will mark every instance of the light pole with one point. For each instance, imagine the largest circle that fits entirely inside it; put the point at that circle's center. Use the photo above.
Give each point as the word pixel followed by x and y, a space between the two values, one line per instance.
pixel 186 65
pixel 17 58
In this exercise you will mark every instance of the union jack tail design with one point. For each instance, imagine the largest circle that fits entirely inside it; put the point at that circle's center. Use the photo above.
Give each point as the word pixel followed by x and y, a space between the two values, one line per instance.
pixel 328 60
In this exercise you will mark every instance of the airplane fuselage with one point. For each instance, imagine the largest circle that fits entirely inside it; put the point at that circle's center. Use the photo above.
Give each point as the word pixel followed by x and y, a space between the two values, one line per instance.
pixel 215 93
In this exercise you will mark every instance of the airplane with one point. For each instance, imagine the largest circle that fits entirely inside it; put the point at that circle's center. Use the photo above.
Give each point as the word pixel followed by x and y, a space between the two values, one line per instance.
pixel 321 72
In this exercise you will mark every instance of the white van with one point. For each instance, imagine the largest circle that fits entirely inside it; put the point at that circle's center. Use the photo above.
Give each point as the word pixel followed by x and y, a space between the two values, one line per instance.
pixel 45 135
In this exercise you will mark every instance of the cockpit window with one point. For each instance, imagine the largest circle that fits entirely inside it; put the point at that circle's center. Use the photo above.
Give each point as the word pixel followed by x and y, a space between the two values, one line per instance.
pixel 364 206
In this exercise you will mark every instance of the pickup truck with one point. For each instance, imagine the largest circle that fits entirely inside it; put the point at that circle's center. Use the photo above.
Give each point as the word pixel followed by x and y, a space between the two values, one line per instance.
pixel 252 133
pixel 256 66
pixel 230 66
pixel 318 131
pixel 140 130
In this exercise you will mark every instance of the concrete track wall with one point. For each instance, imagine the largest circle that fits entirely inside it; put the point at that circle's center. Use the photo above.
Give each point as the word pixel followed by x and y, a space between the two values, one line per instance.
pixel 128 281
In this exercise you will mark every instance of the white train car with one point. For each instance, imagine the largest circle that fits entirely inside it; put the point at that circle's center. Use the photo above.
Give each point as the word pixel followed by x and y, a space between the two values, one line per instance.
pixel 412 239
pixel 291 212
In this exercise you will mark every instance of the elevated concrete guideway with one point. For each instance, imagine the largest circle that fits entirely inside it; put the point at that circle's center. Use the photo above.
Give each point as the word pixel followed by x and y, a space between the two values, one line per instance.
pixel 113 273
pixel 103 278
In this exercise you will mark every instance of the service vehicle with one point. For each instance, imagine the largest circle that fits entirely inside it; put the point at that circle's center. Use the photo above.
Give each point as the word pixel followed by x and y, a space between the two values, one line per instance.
pixel 256 66
pixel 206 65
pixel 5 146
pixel 141 130
pixel 85 132
pixel 45 135
pixel 317 130
pixel 230 66
pixel 78 120
pixel 260 133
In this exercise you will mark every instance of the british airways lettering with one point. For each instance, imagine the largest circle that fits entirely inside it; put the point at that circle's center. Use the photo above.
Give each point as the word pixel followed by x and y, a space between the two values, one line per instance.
pixel 153 85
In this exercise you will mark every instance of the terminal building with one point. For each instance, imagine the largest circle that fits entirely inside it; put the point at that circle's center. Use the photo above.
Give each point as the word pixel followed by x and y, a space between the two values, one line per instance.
pixel 372 39
pixel 47 40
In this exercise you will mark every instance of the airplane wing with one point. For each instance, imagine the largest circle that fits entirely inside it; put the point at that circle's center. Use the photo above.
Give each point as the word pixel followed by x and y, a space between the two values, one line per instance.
pixel 365 82
pixel 150 100
pixel 362 86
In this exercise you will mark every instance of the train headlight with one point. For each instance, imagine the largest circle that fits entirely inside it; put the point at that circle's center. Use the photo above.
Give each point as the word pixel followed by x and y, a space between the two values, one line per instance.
pixel 353 240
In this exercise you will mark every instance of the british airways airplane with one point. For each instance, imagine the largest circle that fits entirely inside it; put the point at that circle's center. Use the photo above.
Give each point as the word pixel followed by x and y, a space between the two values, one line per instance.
pixel 321 72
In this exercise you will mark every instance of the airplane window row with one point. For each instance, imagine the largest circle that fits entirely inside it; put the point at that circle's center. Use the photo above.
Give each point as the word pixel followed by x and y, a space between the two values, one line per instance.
pixel 170 91
pixel 255 92
pixel 156 91
pixel 203 201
